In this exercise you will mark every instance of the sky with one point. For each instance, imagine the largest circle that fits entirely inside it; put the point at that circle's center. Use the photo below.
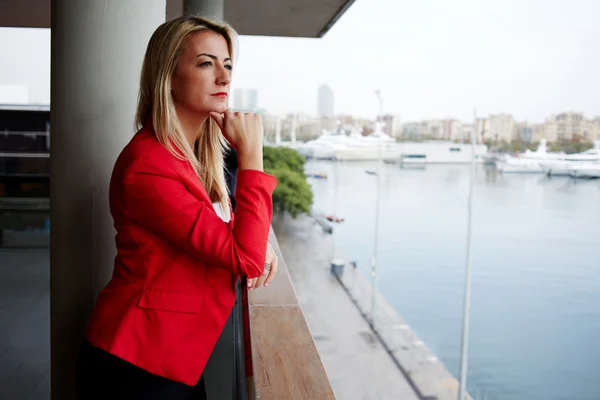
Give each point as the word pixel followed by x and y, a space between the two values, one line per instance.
pixel 430 58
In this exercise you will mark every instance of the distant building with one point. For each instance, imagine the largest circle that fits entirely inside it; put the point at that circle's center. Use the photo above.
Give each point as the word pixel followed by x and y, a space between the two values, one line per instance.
pixel 500 127
pixel 432 129
pixel 411 130
pixel 325 101
pixel 245 99
pixel 392 125
pixel 467 131
pixel 538 132
pixel 523 132
pixel 595 128
pixel 481 130
pixel 327 123
pixel 590 129
pixel 452 129
pixel 551 129
pixel 569 125
pixel 546 130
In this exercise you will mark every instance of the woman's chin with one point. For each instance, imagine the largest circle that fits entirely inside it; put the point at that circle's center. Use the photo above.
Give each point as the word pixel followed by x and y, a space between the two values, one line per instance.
pixel 218 107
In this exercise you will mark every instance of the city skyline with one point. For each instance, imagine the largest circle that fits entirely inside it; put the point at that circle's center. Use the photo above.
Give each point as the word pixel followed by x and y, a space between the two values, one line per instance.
pixel 432 60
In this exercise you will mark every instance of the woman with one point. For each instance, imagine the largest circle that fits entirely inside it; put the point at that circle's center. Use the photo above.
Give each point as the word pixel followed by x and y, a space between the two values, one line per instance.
pixel 179 249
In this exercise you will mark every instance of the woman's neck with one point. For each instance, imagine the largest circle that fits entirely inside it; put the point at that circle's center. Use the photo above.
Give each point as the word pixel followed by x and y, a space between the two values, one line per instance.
pixel 191 123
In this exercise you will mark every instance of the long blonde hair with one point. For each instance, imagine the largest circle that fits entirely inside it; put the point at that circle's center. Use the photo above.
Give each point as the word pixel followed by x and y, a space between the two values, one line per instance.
pixel 155 100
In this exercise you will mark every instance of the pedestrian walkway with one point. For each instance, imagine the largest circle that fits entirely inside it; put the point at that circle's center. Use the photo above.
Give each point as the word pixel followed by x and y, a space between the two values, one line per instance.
pixel 357 364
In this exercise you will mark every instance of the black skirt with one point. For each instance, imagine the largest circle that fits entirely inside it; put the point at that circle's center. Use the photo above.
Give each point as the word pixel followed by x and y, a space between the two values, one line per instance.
pixel 101 375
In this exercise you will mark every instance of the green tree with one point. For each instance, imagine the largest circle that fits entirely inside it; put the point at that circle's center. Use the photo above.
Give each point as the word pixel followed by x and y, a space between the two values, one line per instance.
pixel 518 146
pixel 283 158
pixel 293 193
pixel 571 146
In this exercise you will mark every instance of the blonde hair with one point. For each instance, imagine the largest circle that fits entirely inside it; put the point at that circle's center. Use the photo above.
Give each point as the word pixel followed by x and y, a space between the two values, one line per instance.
pixel 155 100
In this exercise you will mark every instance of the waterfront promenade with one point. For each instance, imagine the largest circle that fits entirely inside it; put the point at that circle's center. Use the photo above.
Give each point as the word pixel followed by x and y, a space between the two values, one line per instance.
pixel 357 364
pixel 395 364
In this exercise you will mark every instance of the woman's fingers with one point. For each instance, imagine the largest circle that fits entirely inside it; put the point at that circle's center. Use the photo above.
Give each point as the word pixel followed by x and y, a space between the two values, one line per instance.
pixel 269 273
pixel 218 118
pixel 250 282
pixel 259 281
pixel 272 272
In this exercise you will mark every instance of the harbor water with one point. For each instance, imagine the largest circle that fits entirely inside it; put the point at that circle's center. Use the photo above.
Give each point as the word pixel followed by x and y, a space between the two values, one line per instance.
pixel 535 313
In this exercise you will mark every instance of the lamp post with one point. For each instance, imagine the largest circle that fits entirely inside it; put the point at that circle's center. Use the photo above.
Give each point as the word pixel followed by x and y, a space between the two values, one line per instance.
pixel 375 242
pixel 467 296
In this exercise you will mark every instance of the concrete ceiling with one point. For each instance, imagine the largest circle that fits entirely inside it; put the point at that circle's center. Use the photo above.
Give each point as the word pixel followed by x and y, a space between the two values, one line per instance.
pixel 294 18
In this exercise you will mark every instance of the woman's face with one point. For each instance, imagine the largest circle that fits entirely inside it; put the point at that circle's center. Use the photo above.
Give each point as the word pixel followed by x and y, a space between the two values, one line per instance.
pixel 201 80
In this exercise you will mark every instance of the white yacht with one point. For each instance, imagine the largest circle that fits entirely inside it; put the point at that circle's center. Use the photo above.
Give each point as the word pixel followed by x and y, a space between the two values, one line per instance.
pixel 336 145
pixel 542 153
pixel 570 162
pixel 324 146
pixel 375 146
pixel 585 170
pixel 529 161
pixel 520 165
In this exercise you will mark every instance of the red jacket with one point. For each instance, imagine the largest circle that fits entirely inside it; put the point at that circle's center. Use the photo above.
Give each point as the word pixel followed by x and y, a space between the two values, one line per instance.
pixel 173 284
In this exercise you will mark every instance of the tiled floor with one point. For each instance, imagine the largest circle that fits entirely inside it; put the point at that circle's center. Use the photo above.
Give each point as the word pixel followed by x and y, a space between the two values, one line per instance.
pixel 24 324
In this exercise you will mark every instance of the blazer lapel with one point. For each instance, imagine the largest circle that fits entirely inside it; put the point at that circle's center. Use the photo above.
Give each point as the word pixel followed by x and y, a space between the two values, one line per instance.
pixel 187 174
pixel 193 183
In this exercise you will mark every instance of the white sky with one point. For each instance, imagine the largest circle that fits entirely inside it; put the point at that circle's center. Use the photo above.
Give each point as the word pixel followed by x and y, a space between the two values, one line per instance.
pixel 432 59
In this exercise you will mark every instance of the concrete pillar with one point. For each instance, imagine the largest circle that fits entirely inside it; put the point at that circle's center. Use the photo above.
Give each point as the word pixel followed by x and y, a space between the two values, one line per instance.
pixel 206 8
pixel 97 48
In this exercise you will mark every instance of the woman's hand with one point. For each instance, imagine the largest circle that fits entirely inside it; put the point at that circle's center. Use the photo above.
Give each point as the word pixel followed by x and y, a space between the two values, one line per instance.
pixel 244 131
pixel 269 274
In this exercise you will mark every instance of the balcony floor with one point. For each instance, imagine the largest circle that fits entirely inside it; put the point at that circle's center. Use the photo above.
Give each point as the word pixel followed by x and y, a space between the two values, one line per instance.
pixel 24 324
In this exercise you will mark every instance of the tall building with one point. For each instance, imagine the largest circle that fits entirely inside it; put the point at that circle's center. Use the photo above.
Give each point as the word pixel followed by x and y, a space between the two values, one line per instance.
pixel 245 99
pixel 325 105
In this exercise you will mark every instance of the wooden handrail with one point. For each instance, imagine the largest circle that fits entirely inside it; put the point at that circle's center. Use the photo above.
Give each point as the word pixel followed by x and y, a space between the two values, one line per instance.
pixel 285 360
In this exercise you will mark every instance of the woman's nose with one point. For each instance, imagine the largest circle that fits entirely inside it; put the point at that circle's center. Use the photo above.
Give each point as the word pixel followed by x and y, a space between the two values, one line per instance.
pixel 223 77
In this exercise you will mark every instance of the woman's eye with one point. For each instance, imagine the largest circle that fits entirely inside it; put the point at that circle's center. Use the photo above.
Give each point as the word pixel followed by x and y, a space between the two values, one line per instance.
pixel 206 64
pixel 229 67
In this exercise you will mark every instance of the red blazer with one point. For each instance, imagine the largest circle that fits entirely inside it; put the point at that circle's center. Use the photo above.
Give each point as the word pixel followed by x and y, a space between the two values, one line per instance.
pixel 173 284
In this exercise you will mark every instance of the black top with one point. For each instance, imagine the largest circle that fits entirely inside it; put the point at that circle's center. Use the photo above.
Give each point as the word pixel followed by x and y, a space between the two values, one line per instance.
pixel 231 170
